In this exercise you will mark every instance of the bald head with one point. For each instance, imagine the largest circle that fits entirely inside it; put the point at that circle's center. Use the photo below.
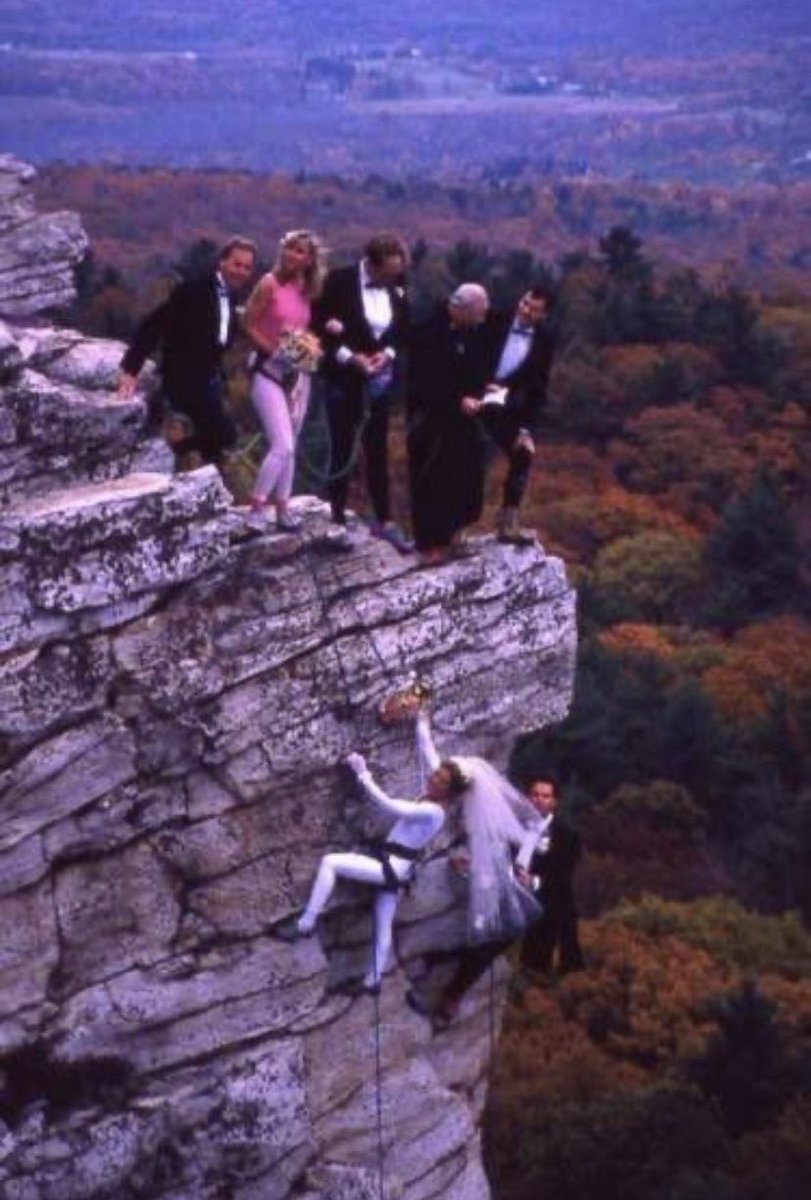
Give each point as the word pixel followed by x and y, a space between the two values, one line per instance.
pixel 468 305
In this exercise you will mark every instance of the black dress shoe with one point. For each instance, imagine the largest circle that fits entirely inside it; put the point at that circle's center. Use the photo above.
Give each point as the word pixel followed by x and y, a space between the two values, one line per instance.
pixel 355 987
pixel 444 1016
pixel 416 1004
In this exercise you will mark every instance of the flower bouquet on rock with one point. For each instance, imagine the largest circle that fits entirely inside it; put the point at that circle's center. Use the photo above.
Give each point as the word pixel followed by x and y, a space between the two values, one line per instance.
pixel 405 704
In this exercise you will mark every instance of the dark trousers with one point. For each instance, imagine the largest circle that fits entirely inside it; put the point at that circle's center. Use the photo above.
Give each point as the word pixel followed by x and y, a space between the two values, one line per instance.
pixel 472 964
pixel 501 429
pixel 357 422
pixel 214 431
pixel 556 928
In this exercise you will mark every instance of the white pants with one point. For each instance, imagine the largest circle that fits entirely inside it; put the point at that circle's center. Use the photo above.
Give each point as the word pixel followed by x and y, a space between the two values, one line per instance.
pixel 281 419
pixel 361 868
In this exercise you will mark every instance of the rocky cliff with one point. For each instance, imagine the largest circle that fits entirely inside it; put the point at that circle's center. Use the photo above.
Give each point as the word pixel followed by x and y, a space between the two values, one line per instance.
pixel 177 693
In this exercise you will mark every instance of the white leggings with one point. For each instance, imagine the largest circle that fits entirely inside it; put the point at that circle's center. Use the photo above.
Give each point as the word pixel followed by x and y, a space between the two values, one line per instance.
pixel 282 420
pixel 362 869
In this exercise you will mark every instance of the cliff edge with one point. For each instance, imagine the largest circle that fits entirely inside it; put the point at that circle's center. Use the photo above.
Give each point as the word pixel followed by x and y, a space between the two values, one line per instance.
pixel 177 694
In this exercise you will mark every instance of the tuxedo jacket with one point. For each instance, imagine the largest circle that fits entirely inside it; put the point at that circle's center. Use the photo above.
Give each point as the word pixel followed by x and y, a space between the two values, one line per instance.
pixel 526 386
pixel 185 328
pixel 555 867
pixel 342 300
pixel 444 366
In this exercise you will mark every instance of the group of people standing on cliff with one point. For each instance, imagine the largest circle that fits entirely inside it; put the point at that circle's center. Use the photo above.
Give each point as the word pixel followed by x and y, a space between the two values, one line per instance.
pixel 470 378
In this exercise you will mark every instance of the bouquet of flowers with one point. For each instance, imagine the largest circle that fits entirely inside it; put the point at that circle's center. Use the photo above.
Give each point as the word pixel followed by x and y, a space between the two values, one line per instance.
pixel 298 350
pixel 406 703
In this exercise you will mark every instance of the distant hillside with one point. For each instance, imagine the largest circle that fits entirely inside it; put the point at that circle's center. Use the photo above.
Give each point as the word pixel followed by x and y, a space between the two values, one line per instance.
pixel 141 221
pixel 706 92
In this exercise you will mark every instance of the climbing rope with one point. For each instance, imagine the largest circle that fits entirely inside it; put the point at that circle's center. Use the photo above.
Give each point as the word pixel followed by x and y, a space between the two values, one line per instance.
pixel 381 1154
pixel 492 1011
pixel 322 475
pixel 355 719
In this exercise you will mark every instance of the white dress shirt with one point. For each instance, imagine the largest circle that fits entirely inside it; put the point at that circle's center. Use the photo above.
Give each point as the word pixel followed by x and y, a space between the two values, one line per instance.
pixel 224 305
pixel 377 310
pixel 516 348
pixel 537 839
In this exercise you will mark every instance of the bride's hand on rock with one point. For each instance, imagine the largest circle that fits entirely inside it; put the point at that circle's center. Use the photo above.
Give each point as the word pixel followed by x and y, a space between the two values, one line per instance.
pixel 357 763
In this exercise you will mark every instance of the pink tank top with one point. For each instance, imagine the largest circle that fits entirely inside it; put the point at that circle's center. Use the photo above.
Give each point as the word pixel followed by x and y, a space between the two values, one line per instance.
pixel 288 309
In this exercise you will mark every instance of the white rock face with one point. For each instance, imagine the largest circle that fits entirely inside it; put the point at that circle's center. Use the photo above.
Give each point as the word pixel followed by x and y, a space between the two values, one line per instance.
pixel 178 690
pixel 61 422
pixel 37 251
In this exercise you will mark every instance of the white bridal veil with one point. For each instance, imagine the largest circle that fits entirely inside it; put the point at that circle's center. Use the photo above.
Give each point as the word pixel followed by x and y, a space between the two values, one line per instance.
pixel 499 822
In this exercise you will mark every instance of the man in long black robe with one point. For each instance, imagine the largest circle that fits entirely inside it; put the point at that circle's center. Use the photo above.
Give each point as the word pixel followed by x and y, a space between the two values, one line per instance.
pixel 448 375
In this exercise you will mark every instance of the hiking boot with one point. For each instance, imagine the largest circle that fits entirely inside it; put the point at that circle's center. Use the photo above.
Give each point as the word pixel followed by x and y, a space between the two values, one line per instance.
pixel 509 529
pixel 290 930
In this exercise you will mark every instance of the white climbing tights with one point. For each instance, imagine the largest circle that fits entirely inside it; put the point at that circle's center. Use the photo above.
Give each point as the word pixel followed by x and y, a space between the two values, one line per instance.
pixel 282 420
pixel 361 869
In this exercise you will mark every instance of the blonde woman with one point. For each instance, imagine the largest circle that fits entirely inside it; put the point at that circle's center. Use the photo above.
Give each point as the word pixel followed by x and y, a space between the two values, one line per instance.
pixel 280 307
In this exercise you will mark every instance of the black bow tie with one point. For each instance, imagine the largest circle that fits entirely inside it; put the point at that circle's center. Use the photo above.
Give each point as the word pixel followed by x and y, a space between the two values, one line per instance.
pixel 522 331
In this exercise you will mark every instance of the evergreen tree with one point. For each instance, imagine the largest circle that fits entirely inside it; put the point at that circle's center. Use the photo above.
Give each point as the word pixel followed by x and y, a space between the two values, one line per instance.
pixel 622 253
pixel 752 1066
pixel 753 558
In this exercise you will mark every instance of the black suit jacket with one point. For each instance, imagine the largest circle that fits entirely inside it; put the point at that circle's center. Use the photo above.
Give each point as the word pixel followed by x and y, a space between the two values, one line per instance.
pixel 185 328
pixel 342 300
pixel 526 387
pixel 446 365
pixel 555 867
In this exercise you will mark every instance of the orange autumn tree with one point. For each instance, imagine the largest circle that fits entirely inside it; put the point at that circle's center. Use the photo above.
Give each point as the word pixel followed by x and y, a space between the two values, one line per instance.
pixel 614 1076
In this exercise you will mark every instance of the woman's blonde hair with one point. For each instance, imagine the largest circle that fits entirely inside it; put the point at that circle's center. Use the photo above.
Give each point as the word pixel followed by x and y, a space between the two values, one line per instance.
pixel 315 273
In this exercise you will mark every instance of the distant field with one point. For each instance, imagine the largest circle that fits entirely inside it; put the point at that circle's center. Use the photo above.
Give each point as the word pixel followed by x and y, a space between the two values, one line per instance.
pixel 561 105
pixel 706 91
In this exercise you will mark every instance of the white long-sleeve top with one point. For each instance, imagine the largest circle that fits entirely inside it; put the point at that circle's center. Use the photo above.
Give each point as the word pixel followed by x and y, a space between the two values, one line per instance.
pixel 418 821
pixel 427 753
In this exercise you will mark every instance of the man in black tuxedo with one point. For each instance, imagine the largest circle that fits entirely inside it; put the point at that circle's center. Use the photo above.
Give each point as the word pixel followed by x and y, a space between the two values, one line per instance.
pixel 362 320
pixel 522 347
pixel 192 329
pixel 549 875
